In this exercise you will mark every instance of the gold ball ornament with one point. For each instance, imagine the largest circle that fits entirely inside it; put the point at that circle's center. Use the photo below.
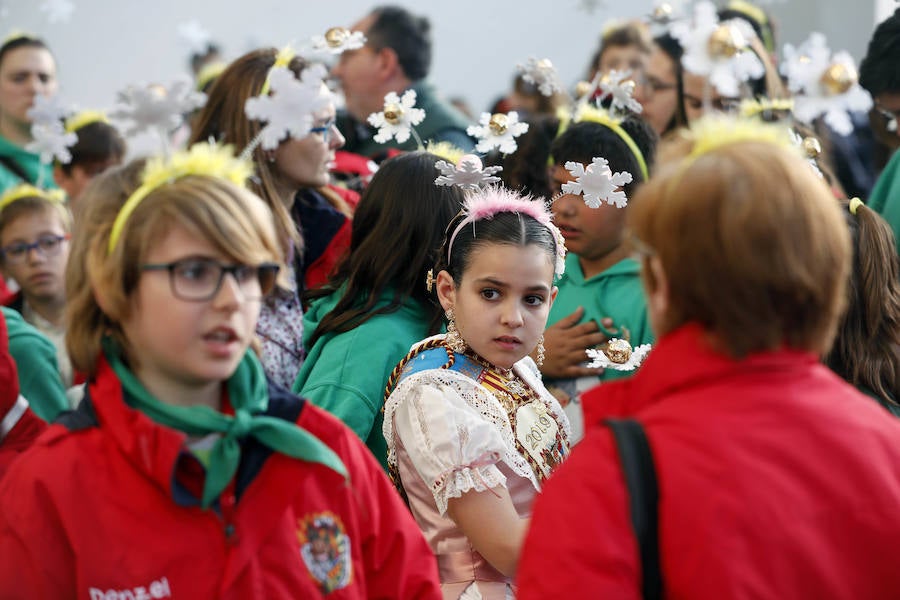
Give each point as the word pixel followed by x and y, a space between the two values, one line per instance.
pixel 811 147
pixel 499 123
pixel 618 351
pixel 583 88
pixel 838 78
pixel 336 36
pixel 663 12
pixel 628 85
pixel 393 113
pixel 726 41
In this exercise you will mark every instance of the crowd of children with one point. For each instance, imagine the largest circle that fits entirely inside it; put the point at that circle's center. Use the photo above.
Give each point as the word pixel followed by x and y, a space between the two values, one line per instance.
pixel 626 340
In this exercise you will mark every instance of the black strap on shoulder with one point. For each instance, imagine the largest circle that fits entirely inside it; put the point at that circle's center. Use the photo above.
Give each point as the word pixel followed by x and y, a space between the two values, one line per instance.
pixel 15 168
pixel 640 477
pixel 83 417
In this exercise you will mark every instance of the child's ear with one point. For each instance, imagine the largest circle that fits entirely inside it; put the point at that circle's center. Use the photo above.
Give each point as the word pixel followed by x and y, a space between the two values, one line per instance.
pixel 101 297
pixel 446 290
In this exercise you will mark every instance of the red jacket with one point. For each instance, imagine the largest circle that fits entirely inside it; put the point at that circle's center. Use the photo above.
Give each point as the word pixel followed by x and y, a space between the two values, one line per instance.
pixel 776 480
pixel 27 426
pixel 97 509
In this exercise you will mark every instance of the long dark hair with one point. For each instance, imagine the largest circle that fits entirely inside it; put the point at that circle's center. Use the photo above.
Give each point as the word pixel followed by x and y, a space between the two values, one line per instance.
pixel 865 351
pixel 397 228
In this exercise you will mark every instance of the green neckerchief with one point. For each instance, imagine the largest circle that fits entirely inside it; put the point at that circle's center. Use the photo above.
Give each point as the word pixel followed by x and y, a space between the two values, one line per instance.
pixel 248 394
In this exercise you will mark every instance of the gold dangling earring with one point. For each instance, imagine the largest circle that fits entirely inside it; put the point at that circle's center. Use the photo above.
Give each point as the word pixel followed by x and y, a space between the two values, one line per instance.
pixel 454 340
pixel 540 352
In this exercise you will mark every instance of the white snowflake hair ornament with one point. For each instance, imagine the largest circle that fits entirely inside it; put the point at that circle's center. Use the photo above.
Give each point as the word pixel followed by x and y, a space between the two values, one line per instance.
pixel 597 183
pixel 824 84
pixel 48 131
pixel 193 35
pixel 398 118
pixel 718 51
pixel 289 110
pixel 541 73
pixel 619 88
pixel 149 107
pixel 490 201
pixel 468 173
pixel 498 131
pixel 58 10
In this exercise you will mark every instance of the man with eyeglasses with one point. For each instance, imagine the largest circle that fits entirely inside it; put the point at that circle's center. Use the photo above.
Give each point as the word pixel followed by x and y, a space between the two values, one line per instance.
pixel 396 57
pixel 879 73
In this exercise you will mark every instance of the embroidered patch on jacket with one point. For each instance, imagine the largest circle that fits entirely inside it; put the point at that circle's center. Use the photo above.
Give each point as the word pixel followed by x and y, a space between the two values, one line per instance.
pixel 325 549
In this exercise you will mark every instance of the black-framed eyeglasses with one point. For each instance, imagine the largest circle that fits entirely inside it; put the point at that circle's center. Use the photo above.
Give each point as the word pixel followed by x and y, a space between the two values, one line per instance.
pixel 325 129
pixel 46 245
pixel 200 279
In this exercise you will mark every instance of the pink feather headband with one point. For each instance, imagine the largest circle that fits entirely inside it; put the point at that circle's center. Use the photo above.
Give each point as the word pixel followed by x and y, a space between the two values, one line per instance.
pixel 495 200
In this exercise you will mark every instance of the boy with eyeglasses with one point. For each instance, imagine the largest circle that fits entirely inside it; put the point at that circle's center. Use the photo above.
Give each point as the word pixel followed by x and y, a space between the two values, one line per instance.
pixel 35 227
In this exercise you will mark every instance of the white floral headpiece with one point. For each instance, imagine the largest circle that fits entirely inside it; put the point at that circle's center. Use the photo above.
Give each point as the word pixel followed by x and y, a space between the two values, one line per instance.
pixel 338 39
pixel 718 51
pixel 398 118
pixel 498 131
pixel 288 108
pixel 541 73
pixel 618 355
pixel 468 173
pixel 824 84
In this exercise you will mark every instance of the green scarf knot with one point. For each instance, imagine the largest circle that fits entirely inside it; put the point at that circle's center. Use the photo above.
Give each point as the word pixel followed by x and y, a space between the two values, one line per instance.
pixel 248 394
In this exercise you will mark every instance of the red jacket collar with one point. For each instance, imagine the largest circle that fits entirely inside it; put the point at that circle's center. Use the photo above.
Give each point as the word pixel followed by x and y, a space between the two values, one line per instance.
pixel 150 447
pixel 681 359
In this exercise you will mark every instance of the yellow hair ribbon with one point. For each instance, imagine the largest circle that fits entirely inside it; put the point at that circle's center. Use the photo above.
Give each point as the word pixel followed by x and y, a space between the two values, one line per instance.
pixel 753 108
pixel 18 34
pixel 208 160
pixel 26 190
pixel 85 117
pixel 752 11
pixel 596 115
pixel 208 73
pixel 282 59
pixel 715 131
pixel 855 203
pixel 445 150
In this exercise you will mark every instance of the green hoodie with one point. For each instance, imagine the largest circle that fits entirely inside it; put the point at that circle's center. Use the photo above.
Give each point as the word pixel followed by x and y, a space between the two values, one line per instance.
pixel 616 293
pixel 35 358
pixel 346 373
pixel 29 162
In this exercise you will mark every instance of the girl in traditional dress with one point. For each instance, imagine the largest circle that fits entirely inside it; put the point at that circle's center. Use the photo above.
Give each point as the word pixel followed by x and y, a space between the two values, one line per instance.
pixel 471 430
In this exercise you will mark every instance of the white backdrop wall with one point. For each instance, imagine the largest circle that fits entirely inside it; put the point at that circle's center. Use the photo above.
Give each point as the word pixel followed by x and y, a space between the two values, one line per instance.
pixel 108 44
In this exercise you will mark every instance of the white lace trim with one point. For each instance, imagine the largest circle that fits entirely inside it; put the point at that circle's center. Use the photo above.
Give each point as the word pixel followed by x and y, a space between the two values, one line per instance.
pixel 476 396
pixel 463 479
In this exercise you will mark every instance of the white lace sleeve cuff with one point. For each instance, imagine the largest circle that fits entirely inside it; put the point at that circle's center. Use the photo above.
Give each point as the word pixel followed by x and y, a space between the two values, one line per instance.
pixel 452 447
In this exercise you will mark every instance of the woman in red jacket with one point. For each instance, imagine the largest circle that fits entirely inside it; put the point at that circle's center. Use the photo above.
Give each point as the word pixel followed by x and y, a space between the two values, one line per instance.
pixel 184 473
pixel 775 478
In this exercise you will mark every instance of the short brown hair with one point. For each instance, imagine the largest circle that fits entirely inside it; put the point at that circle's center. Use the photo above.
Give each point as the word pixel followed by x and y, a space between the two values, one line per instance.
pixel 31 205
pixel 752 244
pixel 234 220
